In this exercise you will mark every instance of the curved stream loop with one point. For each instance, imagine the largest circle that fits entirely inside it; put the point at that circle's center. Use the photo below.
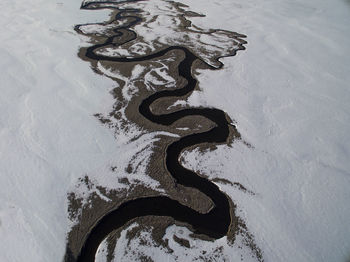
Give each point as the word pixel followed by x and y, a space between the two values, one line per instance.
pixel 216 222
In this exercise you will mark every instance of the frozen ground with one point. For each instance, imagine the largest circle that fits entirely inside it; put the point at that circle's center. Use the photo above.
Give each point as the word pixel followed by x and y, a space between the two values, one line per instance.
pixel 288 93
pixel 48 135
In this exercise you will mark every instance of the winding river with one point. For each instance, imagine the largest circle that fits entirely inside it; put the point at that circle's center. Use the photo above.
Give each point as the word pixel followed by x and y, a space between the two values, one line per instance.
pixel 214 223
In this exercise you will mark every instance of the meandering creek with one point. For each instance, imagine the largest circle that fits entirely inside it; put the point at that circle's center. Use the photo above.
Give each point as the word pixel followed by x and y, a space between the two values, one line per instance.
pixel 214 223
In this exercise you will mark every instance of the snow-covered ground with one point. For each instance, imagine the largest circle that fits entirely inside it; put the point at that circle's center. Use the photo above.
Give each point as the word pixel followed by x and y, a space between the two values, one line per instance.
pixel 48 135
pixel 288 93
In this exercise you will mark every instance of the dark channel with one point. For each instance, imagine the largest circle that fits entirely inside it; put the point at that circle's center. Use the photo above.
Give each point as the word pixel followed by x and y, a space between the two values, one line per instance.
pixel 216 222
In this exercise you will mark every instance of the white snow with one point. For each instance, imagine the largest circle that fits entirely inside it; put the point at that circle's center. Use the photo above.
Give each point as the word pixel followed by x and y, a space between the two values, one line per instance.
pixel 48 135
pixel 161 28
pixel 200 250
pixel 288 93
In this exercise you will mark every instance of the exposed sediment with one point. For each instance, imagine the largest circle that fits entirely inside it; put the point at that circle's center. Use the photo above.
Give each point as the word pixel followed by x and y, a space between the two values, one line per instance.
pixel 190 199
